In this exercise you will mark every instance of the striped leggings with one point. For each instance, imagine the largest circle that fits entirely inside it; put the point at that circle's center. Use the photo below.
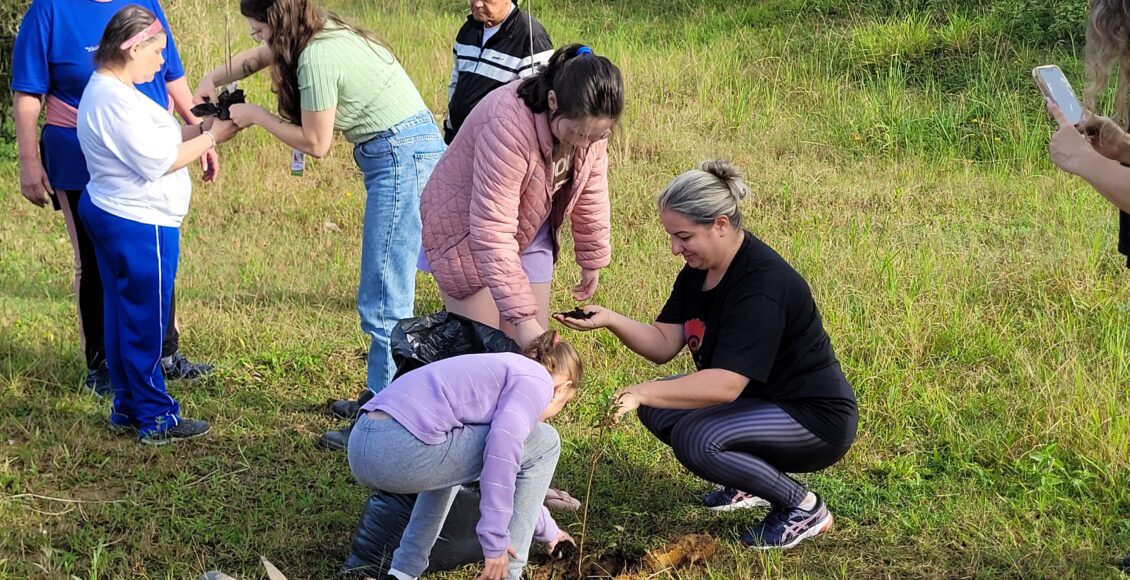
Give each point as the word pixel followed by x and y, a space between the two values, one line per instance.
pixel 747 444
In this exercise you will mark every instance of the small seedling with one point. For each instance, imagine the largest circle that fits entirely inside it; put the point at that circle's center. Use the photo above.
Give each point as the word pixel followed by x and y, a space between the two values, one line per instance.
pixel 603 423
pixel 229 95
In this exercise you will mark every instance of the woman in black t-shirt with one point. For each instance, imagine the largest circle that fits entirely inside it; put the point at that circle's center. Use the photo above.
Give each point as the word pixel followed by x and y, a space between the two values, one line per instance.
pixel 769 396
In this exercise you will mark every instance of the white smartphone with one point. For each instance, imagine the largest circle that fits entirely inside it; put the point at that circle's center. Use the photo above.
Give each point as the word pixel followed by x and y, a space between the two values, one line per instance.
pixel 1053 84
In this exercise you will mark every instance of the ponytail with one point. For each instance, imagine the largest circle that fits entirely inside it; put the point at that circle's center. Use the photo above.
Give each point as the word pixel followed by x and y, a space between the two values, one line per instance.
pixel 586 85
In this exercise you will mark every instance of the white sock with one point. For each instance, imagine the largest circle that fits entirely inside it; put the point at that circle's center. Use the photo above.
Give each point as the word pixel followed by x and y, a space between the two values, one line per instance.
pixel 809 502
pixel 399 575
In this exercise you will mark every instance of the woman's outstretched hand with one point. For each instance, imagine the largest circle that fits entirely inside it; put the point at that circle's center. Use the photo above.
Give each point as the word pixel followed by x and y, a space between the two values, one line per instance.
pixel 588 317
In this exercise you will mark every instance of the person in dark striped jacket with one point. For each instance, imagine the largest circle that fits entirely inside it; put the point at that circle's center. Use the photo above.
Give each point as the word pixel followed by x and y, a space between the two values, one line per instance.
pixel 496 45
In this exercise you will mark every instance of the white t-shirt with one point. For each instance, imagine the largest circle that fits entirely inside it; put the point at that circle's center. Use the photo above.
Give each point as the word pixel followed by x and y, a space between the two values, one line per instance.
pixel 130 143
pixel 489 32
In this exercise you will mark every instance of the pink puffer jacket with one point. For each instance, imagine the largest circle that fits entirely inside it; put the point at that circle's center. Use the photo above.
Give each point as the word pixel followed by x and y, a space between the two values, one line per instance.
pixel 489 194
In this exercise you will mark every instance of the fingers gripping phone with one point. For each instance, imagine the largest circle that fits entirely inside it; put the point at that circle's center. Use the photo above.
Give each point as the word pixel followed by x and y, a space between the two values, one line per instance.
pixel 1053 84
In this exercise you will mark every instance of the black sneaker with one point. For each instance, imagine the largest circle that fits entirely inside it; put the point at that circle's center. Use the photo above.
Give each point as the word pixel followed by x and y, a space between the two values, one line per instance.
pixel 184 429
pixel 97 381
pixel 1124 565
pixel 344 408
pixel 335 440
pixel 178 368
pixel 784 528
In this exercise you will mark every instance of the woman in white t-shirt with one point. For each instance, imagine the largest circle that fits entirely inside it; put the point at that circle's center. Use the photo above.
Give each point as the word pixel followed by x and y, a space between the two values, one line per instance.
pixel 138 194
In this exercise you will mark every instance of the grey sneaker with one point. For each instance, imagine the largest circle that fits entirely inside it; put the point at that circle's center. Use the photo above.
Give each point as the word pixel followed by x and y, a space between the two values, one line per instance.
pixel 178 368
pixel 184 429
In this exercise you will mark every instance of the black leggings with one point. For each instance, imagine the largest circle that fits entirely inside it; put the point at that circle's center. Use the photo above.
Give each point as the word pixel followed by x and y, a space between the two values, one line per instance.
pixel 88 288
pixel 747 444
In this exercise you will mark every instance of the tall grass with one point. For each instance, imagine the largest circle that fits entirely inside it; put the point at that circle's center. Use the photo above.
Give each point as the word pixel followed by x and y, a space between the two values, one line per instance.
pixel 898 156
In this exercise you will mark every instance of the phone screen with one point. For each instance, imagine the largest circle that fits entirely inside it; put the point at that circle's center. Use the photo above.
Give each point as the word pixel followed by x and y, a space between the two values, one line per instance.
pixel 1055 87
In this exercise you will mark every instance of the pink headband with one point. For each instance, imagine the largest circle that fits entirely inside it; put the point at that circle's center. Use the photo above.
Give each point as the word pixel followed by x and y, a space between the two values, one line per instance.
pixel 149 32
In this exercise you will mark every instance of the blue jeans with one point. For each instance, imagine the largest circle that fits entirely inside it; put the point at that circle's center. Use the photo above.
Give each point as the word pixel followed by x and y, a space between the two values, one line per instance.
pixel 396 164
pixel 384 455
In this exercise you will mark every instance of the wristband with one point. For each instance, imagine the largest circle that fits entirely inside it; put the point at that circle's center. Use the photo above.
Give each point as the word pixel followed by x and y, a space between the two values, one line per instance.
pixel 210 136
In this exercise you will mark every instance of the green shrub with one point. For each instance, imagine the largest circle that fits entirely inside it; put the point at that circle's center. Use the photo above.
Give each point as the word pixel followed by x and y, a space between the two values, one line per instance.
pixel 1041 23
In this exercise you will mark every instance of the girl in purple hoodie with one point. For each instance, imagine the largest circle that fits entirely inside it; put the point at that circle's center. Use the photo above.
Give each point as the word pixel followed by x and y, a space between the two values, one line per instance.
pixel 467 418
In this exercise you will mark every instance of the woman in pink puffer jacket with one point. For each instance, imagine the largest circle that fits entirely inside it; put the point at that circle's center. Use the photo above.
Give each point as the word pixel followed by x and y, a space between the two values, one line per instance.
pixel 529 154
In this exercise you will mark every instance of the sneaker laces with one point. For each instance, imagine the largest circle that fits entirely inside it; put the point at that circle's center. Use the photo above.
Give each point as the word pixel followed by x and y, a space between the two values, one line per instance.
pixel 776 519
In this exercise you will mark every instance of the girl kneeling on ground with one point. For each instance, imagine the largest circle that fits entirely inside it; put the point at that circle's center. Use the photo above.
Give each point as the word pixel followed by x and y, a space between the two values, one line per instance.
pixel 475 417
pixel 769 396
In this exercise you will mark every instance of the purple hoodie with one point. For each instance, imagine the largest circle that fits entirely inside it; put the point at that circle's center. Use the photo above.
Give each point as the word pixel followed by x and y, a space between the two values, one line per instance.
pixel 507 391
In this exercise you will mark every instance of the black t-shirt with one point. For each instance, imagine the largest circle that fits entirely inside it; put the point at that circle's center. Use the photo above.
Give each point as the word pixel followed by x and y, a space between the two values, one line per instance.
pixel 761 322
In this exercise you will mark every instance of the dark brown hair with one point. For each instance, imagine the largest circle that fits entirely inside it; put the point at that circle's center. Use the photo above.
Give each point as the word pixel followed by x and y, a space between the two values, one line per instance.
pixel 586 85
pixel 293 24
pixel 557 356
pixel 126 23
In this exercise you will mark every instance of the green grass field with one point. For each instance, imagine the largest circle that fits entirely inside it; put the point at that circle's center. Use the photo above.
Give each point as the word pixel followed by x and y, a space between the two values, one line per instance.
pixel 897 152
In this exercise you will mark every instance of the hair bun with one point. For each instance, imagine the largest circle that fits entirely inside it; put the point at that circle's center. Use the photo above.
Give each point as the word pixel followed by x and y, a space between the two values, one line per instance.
pixel 729 174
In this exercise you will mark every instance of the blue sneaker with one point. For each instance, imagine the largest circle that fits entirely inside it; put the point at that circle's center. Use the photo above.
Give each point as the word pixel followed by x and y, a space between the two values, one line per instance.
pixel 784 528
pixel 729 499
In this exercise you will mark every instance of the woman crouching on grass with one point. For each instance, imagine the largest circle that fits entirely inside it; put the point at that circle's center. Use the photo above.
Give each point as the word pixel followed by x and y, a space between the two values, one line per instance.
pixel 138 193
pixel 468 418
pixel 769 396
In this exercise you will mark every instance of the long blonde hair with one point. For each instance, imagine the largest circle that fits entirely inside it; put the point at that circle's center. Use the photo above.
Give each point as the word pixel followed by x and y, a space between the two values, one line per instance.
pixel 1107 48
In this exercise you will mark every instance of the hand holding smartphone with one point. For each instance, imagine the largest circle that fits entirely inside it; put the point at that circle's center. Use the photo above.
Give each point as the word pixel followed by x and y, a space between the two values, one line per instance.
pixel 1053 84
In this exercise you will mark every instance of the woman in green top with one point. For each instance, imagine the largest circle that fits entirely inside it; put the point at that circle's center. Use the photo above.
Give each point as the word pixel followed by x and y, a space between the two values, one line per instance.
pixel 331 76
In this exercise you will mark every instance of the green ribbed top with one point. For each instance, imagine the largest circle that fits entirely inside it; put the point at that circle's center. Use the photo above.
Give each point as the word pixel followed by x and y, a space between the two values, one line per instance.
pixel 363 80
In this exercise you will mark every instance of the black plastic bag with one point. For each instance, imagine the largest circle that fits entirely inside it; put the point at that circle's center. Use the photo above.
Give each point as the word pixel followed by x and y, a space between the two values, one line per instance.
pixel 416 342
pixel 383 521
pixel 426 339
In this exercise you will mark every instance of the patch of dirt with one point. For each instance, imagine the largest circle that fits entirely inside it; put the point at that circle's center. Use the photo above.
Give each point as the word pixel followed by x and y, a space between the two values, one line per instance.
pixel 686 551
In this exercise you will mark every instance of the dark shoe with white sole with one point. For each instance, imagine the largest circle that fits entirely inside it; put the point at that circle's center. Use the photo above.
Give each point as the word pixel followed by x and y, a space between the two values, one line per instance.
pixel 784 528
pixel 177 367
pixel 184 429
pixel 97 381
